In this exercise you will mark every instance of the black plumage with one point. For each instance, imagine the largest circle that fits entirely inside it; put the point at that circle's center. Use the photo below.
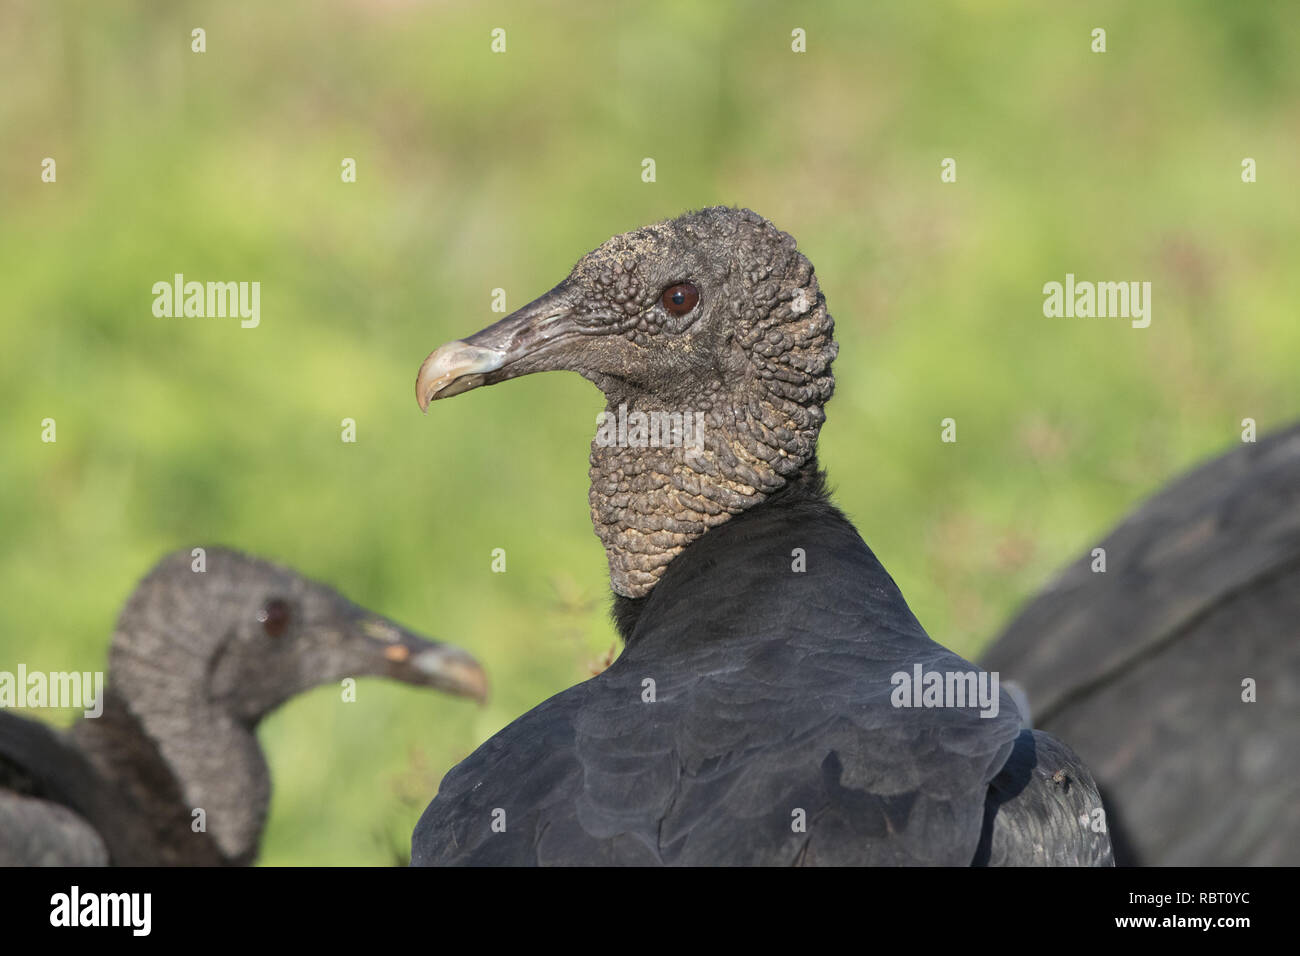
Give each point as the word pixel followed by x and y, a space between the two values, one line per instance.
pixel 751 717
pixel 197 660
pixel 1141 667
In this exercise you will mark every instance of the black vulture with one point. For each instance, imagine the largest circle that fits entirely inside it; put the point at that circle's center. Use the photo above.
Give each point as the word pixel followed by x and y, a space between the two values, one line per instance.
pixel 1175 672
pixel 760 712
pixel 197 660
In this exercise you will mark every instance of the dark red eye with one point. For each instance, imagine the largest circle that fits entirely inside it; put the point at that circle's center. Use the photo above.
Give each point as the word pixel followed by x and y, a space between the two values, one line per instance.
pixel 680 299
pixel 274 618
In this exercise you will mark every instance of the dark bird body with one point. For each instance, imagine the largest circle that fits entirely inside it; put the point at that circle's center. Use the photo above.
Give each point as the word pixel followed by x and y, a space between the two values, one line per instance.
pixel 749 719
pixel 197 660
pixel 761 711
pixel 1141 667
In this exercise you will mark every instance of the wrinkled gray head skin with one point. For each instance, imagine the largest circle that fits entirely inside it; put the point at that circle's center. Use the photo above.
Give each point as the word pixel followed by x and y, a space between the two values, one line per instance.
pixel 752 357
pixel 247 635
pixel 198 658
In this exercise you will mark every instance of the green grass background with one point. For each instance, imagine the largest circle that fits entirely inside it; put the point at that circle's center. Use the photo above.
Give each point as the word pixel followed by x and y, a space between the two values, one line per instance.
pixel 479 171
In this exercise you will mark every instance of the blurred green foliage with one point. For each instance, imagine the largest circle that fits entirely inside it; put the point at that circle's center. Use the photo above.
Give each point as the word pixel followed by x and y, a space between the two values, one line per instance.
pixel 478 171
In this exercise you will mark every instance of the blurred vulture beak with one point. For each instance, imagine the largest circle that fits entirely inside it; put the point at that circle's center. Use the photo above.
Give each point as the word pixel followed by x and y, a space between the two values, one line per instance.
pixel 399 654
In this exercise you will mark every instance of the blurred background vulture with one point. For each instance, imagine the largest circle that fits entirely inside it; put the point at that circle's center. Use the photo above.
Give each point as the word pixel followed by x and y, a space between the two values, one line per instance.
pixel 757 713
pixel 1175 673
pixel 197 660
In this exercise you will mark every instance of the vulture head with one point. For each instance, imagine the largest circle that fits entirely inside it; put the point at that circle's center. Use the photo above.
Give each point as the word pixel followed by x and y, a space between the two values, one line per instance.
pixel 710 339
pixel 247 635
pixel 200 656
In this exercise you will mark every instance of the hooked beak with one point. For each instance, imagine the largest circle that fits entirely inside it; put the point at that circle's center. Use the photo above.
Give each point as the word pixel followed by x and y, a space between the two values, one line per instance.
pixel 512 347
pixel 396 653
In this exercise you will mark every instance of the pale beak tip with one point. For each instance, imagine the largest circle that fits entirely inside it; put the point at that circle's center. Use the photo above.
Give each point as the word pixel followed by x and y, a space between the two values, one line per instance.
pixel 422 386
pixel 454 368
pixel 455 670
